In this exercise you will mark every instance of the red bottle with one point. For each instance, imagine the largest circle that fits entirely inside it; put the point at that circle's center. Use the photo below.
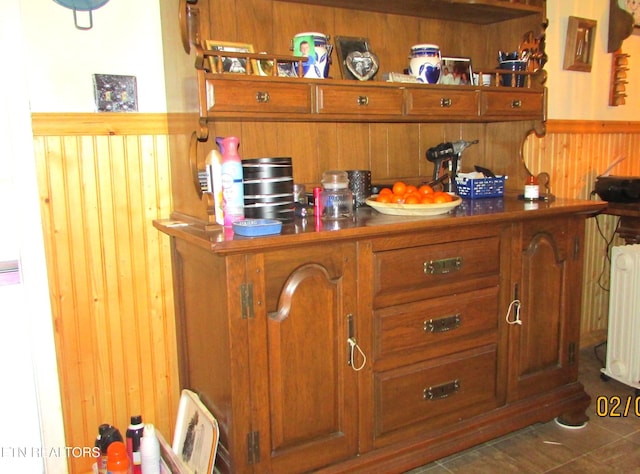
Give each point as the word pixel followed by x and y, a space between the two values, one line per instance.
pixel 117 459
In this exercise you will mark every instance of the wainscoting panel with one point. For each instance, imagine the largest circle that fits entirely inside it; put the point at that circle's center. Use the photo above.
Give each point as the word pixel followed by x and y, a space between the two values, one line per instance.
pixel 109 274
pixel 103 178
pixel 574 153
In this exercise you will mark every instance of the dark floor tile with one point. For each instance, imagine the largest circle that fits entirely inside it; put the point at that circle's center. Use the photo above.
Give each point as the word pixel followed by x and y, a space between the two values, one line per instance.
pixel 584 465
pixel 486 459
pixel 534 450
pixel 621 455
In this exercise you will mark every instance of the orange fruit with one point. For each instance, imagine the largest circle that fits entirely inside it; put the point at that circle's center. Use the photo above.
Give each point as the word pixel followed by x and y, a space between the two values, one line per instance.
pixel 383 197
pixel 427 199
pixel 399 188
pixel 411 189
pixel 385 191
pixel 397 198
pixel 412 198
pixel 425 189
pixel 441 196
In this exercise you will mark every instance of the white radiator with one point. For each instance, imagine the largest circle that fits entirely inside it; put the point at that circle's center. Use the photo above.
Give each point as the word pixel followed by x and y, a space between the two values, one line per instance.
pixel 623 340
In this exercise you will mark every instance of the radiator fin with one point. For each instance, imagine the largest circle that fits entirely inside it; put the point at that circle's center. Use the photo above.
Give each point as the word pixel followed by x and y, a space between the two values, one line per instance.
pixel 623 342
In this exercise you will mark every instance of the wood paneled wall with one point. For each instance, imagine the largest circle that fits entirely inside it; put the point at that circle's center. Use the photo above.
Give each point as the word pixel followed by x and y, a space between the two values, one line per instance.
pixel 103 178
pixel 102 181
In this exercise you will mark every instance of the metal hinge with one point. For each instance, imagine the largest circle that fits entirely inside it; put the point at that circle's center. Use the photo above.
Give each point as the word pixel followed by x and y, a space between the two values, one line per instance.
pixel 572 353
pixel 253 447
pixel 576 247
pixel 246 296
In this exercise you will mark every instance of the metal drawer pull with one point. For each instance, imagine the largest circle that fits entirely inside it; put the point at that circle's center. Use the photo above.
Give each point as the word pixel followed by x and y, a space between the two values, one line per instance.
pixel 441 391
pixel 442 266
pixel 516 104
pixel 446 102
pixel 443 324
pixel 262 97
pixel 363 100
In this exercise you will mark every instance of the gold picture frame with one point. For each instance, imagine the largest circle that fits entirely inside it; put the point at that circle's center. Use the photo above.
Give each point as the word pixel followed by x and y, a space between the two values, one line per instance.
pixel 578 50
pixel 231 64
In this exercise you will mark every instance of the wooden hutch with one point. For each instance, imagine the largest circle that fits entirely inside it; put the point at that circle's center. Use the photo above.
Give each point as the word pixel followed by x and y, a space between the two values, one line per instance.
pixel 469 322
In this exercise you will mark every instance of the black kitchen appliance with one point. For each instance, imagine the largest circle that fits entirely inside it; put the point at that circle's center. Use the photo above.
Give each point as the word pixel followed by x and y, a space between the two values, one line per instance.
pixel 623 189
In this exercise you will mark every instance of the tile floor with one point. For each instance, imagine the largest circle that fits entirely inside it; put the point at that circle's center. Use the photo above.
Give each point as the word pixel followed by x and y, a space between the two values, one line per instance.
pixel 605 445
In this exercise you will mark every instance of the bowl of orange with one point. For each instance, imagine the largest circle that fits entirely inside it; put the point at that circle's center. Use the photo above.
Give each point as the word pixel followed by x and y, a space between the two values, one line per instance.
pixel 403 199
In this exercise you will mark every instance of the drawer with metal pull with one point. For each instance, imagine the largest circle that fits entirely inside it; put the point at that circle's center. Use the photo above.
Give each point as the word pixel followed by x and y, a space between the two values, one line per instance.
pixel 429 328
pixel 359 100
pixel 438 391
pixel 419 272
pixel 445 102
pixel 250 97
pixel 512 103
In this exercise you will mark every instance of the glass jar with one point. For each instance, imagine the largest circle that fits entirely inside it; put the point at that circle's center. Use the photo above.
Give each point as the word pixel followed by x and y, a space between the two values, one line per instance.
pixel 336 199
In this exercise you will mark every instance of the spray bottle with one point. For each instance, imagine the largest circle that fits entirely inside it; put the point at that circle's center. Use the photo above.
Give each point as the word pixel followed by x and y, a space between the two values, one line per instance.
pixel 232 186
pixel 134 434
pixel 150 450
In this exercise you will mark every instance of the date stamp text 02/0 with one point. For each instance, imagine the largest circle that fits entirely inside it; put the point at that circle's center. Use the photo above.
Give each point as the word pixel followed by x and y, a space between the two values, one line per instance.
pixel 615 406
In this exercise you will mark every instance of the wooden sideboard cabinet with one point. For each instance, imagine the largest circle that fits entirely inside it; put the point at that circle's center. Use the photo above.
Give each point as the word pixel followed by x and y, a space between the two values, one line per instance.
pixel 385 342
pixel 437 360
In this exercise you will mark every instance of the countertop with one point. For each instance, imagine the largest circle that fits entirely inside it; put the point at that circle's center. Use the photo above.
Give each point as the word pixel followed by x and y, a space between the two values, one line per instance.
pixel 369 223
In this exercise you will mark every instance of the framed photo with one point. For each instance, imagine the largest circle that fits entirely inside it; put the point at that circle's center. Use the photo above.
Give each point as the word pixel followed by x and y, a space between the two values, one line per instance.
pixel 231 64
pixel 357 61
pixel 578 48
pixel 456 71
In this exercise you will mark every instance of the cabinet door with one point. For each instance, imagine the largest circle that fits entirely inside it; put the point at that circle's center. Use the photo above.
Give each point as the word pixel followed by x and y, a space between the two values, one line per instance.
pixel 543 349
pixel 306 403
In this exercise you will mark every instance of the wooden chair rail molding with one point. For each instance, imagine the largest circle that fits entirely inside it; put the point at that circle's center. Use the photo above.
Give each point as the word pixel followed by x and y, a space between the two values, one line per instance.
pixel 73 124
pixel 107 123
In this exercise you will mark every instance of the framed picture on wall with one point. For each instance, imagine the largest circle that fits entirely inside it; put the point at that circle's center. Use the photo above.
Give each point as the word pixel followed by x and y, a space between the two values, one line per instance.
pixel 578 50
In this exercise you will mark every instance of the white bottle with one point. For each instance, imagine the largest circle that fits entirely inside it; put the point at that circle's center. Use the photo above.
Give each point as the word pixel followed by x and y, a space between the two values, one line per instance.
pixel 150 451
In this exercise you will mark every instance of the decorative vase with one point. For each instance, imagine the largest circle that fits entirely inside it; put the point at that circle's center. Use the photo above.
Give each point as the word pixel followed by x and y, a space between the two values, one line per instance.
pixel 425 63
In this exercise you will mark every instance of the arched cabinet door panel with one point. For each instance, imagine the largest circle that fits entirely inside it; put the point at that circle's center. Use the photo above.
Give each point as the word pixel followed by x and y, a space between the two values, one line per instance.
pixel 309 399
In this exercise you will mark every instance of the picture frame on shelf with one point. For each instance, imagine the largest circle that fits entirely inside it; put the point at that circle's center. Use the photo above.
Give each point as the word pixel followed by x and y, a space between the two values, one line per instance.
pixel 357 61
pixel 231 64
pixel 578 48
pixel 456 71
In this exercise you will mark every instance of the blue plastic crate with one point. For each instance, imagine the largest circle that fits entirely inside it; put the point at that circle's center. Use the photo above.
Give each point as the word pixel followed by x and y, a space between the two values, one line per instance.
pixel 480 187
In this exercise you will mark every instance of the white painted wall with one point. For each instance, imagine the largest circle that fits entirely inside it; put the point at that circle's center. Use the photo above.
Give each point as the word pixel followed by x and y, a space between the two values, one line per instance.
pixel 575 95
pixel 125 40
pixel 30 407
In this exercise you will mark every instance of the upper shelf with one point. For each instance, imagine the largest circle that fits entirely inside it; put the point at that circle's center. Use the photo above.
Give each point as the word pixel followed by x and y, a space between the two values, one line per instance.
pixel 470 11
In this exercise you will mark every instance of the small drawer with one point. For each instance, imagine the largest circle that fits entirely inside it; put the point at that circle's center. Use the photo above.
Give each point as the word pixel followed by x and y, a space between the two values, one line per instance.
pixel 443 102
pixel 415 273
pixel 359 100
pixel 257 97
pixel 512 104
pixel 431 327
pixel 438 392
